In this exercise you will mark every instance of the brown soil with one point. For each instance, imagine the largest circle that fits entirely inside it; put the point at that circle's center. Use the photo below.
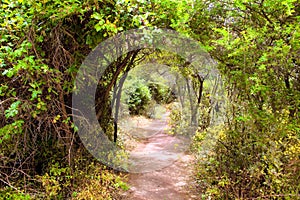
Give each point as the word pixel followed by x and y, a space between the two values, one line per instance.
pixel 172 174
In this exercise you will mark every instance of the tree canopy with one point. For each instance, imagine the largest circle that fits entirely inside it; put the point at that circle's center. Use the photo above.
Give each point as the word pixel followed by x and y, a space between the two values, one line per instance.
pixel 256 46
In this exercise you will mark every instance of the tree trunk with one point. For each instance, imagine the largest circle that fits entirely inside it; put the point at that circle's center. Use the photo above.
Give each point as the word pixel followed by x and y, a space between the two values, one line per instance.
pixel 117 100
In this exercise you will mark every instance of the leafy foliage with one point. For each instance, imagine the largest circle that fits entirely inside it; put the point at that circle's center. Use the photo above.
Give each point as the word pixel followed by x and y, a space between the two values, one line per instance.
pixel 161 93
pixel 42 46
pixel 139 97
pixel 256 45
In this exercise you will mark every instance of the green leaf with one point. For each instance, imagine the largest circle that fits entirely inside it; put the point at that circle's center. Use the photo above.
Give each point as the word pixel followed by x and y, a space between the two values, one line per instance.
pixel 13 109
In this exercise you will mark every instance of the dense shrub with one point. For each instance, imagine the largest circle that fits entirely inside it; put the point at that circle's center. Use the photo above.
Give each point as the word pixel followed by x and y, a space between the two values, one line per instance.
pixel 42 46
pixel 139 97
pixel 161 93
pixel 248 164
pixel 257 46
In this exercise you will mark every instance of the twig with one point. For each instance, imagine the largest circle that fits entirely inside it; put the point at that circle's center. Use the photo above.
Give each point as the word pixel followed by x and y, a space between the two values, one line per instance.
pixel 7 183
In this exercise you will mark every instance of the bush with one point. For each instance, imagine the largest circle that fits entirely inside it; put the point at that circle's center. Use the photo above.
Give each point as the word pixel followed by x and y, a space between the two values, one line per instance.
pixel 247 164
pixel 177 120
pixel 139 97
pixel 161 93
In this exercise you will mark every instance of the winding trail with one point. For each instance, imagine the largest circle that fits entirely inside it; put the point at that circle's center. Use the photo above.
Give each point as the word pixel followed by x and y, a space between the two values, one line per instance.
pixel 163 169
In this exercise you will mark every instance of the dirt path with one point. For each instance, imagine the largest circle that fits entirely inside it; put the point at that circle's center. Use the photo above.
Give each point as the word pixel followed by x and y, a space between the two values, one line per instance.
pixel 162 169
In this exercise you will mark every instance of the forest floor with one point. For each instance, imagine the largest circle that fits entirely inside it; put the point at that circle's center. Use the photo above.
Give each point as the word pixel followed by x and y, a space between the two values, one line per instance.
pixel 163 170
